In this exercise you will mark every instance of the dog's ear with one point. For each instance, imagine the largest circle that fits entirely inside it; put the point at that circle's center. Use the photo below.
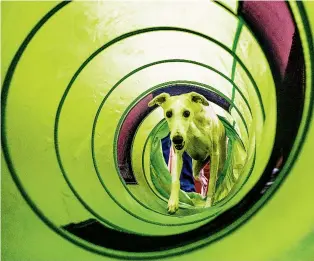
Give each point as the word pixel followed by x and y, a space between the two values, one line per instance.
pixel 196 97
pixel 159 99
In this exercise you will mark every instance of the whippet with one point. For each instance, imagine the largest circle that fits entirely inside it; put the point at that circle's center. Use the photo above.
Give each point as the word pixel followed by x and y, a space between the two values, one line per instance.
pixel 194 128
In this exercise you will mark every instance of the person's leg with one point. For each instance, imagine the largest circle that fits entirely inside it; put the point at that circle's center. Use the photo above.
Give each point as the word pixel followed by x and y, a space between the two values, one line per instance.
pixel 186 178
pixel 166 146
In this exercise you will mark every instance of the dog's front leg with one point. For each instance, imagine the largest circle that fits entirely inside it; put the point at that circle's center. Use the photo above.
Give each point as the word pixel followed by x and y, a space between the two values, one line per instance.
pixel 214 165
pixel 176 168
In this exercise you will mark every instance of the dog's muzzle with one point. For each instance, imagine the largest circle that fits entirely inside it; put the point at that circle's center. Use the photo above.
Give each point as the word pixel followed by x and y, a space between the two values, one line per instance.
pixel 179 146
pixel 178 142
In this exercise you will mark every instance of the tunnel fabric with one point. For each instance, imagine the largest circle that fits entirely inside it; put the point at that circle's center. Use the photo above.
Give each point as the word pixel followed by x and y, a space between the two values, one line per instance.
pixel 30 83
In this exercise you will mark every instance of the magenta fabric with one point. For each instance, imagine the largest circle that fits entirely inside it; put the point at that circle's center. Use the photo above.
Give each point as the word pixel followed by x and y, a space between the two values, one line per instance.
pixel 127 131
pixel 130 124
pixel 273 21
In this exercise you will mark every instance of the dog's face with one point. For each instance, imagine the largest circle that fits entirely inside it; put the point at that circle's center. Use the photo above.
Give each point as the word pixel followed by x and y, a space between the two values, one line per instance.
pixel 179 112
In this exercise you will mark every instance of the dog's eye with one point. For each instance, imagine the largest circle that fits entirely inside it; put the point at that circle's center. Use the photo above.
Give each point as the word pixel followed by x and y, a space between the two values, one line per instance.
pixel 169 114
pixel 186 114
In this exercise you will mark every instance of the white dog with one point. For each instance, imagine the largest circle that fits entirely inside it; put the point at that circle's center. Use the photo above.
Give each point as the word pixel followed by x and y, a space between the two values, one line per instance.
pixel 194 128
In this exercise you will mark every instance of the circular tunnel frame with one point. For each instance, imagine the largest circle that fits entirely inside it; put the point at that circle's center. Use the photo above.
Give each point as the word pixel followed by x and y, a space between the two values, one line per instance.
pixel 299 7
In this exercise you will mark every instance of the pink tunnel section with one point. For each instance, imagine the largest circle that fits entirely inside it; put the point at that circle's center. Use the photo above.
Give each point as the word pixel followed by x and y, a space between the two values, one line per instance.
pixel 273 21
pixel 126 134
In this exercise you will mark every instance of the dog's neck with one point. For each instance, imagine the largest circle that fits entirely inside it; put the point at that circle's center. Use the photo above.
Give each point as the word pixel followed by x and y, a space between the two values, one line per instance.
pixel 199 133
pixel 205 116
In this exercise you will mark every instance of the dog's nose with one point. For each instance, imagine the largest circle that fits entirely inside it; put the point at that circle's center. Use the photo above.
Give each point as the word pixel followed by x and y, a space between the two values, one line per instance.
pixel 177 139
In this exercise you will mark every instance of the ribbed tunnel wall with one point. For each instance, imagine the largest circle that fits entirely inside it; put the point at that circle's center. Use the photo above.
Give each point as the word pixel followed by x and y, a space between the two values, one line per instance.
pixel 83 147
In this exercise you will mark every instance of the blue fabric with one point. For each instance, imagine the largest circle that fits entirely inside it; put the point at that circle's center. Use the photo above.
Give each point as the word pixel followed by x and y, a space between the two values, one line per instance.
pixel 186 178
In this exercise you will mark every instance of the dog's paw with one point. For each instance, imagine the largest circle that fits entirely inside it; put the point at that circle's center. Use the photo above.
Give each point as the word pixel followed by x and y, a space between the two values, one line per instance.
pixel 173 204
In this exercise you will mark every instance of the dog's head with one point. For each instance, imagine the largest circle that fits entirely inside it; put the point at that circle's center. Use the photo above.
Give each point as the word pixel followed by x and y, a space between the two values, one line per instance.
pixel 179 112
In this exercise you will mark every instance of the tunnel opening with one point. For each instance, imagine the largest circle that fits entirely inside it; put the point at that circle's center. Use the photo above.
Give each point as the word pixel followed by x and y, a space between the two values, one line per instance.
pixel 119 207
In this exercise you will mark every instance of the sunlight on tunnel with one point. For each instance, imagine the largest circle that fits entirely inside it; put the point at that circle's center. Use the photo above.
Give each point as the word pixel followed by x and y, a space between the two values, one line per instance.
pixel 78 125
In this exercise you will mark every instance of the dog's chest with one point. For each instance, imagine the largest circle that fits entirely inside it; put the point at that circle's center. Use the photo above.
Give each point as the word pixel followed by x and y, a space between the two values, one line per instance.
pixel 198 147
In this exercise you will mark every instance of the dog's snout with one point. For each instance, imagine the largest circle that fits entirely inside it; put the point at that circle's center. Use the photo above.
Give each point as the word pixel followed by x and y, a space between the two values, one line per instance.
pixel 177 139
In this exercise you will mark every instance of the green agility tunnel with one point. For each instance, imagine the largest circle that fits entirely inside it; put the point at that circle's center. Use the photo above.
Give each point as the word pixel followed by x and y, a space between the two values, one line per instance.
pixel 83 174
